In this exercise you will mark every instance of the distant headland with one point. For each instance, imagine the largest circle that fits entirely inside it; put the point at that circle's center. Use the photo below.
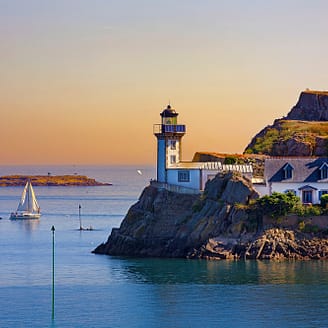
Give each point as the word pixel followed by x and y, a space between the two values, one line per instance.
pixel 49 180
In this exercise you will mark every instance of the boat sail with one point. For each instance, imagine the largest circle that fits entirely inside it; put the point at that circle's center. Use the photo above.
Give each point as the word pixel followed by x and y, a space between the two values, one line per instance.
pixel 28 207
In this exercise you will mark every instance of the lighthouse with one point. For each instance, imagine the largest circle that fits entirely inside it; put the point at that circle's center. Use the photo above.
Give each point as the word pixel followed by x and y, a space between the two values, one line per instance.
pixel 169 134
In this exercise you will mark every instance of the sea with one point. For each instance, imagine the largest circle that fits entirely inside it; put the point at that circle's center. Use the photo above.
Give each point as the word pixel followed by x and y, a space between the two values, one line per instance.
pixel 90 290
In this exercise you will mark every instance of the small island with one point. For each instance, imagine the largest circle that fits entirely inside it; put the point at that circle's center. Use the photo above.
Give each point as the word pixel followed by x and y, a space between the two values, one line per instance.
pixel 49 180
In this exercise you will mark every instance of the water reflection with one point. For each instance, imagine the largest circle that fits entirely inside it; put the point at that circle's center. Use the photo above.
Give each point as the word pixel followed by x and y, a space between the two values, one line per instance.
pixel 180 271
pixel 27 225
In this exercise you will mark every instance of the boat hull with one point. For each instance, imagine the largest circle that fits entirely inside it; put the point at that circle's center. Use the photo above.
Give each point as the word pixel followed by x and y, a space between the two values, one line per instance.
pixel 24 216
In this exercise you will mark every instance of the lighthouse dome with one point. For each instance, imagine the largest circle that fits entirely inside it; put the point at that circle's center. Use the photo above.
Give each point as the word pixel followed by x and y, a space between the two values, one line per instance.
pixel 169 112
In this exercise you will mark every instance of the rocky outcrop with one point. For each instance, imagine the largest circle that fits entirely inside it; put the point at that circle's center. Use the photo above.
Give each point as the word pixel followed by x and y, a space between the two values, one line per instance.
pixel 311 106
pixel 271 244
pixel 295 146
pixel 303 132
pixel 215 226
pixel 168 224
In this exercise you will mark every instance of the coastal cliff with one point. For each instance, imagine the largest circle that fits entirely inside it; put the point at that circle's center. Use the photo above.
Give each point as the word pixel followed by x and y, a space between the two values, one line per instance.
pixel 303 132
pixel 311 106
pixel 215 225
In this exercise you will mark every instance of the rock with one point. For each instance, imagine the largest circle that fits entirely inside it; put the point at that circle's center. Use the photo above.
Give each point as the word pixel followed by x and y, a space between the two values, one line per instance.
pixel 291 147
pixel 272 244
pixel 303 132
pixel 321 146
pixel 311 106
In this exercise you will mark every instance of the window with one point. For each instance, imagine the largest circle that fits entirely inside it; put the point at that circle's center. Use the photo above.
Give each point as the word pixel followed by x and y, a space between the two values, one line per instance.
pixel 168 128
pixel 181 128
pixel 288 171
pixel 183 176
pixel 307 196
pixel 322 192
pixel 173 145
pixel 324 171
pixel 173 159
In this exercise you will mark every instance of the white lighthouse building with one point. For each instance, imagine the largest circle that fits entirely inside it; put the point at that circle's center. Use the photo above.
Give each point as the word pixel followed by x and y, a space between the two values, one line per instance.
pixel 175 174
pixel 169 134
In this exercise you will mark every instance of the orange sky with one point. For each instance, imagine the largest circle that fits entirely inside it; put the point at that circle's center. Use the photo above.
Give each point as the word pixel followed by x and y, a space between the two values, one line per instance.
pixel 83 82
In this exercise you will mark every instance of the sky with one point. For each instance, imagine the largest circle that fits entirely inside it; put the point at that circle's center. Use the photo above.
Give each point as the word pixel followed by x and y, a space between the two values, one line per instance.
pixel 84 81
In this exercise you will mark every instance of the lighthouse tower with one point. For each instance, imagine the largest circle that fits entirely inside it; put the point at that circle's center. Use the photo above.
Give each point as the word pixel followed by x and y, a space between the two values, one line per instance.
pixel 169 134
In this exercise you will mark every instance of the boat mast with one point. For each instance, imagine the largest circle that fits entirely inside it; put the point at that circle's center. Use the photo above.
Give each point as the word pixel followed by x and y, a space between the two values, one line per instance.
pixel 28 196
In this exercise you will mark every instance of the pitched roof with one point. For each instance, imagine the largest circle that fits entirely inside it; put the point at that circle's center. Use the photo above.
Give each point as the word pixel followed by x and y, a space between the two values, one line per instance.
pixel 305 169
pixel 307 187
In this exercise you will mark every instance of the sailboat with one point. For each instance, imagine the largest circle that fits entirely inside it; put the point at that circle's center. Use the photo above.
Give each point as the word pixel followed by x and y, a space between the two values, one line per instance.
pixel 28 207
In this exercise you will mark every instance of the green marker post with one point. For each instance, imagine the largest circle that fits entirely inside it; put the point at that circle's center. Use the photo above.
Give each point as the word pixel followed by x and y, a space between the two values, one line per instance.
pixel 53 273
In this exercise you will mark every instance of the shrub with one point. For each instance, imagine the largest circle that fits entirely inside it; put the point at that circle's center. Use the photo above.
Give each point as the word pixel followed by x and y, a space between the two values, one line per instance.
pixel 277 204
pixel 324 201
pixel 308 227
pixel 301 225
pixel 230 160
pixel 302 210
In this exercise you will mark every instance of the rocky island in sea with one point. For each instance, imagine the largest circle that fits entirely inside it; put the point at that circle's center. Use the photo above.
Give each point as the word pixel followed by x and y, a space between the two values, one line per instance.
pixel 229 219
pixel 49 180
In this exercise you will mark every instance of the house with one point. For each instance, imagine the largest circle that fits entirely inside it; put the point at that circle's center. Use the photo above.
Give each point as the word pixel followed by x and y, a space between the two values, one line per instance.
pixel 306 177
pixel 183 176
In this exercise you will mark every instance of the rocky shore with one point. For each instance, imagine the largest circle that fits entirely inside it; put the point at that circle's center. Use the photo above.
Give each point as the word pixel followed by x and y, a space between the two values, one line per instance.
pixel 215 225
pixel 272 244
pixel 49 180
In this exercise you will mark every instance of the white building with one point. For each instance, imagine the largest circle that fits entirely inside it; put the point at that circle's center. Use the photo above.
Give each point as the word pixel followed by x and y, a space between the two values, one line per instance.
pixel 306 177
pixel 178 175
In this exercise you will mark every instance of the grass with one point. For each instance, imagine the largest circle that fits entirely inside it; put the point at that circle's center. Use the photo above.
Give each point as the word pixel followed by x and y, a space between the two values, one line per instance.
pixel 284 130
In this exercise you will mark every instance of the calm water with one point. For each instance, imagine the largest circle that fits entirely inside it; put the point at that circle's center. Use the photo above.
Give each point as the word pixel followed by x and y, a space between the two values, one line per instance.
pixel 102 291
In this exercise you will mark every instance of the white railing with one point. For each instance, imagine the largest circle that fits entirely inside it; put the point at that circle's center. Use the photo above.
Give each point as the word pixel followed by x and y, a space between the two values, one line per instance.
pixel 174 188
pixel 169 128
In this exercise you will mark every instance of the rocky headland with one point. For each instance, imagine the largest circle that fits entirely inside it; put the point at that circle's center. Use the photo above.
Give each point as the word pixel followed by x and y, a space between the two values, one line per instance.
pixel 49 180
pixel 303 132
pixel 221 222
pixel 217 224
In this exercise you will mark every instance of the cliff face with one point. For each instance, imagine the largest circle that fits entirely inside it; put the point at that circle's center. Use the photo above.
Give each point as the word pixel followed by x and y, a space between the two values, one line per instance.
pixel 304 131
pixel 311 106
pixel 167 224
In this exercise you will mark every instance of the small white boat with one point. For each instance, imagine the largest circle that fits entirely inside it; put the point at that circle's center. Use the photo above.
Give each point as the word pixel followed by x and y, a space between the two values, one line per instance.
pixel 28 207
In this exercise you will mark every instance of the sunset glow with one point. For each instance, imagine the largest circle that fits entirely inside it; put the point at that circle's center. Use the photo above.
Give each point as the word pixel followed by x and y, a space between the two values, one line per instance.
pixel 83 82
